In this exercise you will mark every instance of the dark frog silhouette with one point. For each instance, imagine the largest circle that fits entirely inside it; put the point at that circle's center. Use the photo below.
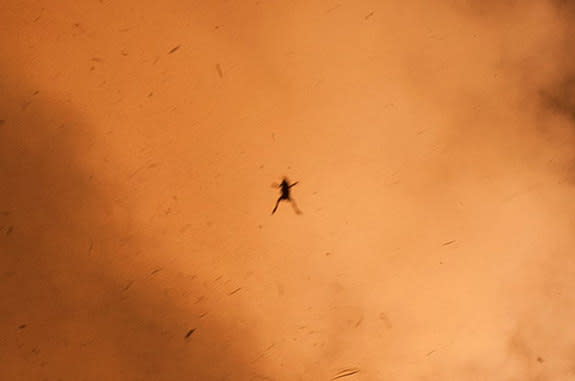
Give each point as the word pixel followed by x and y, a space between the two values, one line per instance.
pixel 285 189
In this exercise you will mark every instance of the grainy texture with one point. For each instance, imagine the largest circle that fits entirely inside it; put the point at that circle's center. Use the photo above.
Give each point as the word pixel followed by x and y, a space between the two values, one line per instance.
pixel 433 144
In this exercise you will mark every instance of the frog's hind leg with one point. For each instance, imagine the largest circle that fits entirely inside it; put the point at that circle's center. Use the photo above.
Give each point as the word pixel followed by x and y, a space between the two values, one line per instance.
pixel 277 204
pixel 294 206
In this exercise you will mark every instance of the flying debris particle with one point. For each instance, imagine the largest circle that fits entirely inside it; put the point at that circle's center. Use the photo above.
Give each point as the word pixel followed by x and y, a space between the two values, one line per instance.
pixel 539 360
pixel 346 373
pixel 280 289
pixel 150 94
pixel 174 49
pixel 219 70
pixel 333 8
pixel 156 271
pixel 149 166
pixel 190 332
pixel 40 15
pixel 448 243
pixel 522 192
pixel 429 353
pixel 22 326
pixel 234 291
pixel 2 121
pixel 9 230
pixel 369 15
pixel 130 283
pixel 263 353
pixel 385 320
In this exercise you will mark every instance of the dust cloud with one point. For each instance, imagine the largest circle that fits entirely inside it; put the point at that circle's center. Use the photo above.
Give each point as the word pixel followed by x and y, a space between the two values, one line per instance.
pixel 432 142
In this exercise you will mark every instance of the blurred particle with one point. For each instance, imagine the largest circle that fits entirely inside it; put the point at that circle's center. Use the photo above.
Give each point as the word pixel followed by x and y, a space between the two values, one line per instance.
pixel 22 326
pixel 234 291
pixel 263 353
pixel 333 8
pixel 448 243
pixel 346 373
pixel 219 70
pixel 40 15
pixel 174 49
pixel 190 332
pixel 369 15
pixel 127 287
pixel 385 320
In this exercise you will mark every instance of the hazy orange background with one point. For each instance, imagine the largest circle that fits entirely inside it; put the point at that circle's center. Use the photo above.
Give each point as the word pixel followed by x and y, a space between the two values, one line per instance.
pixel 433 143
